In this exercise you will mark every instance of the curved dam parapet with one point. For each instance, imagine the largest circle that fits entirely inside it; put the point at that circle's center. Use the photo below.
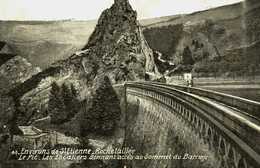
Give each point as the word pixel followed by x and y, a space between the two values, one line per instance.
pixel 172 128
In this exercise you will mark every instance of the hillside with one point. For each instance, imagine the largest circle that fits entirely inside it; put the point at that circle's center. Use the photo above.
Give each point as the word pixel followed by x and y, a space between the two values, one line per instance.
pixel 43 43
pixel 155 21
pixel 210 38
pixel 215 14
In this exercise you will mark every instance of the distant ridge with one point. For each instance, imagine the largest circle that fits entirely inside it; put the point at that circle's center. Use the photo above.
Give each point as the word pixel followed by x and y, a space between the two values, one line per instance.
pixel 219 13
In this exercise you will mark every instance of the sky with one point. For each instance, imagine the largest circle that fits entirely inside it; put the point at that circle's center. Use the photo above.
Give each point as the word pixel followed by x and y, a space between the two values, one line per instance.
pixel 91 9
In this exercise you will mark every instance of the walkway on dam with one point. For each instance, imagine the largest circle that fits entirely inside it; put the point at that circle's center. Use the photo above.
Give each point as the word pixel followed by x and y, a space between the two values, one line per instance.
pixel 230 110
pixel 244 116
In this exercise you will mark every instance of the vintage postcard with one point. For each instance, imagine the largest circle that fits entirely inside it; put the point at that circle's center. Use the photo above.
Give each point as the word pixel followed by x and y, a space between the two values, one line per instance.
pixel 129 84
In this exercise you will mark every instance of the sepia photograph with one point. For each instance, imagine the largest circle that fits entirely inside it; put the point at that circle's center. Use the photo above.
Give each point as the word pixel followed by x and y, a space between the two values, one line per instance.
pixel 129 84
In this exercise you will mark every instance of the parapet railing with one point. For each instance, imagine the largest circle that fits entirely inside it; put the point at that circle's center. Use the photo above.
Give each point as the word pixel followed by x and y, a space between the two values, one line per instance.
pixel 252 108
pixel 238 130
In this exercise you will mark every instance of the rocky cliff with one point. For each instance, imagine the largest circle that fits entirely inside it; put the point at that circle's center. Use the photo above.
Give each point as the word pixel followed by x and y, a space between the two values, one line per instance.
pixel 116 48
pixel 17 70
pixel 14 71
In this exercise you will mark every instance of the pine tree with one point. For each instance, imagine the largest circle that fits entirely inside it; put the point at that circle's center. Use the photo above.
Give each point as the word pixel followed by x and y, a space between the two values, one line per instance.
pixel 187 56
pixel 75 103
pixel 105 110
pixel 67 98
pixel 70 100
pixel 56 107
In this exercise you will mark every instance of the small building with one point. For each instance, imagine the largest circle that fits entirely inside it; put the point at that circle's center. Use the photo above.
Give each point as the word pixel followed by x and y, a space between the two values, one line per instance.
pixel 32 137
pixel 188 78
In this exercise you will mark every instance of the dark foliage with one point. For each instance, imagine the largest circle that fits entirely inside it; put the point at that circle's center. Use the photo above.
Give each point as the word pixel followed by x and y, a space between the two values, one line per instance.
pixel 162 66
pixel 56 106
pixel 164 39
pixel 161 80
pixel 63 103
pixel 3 139
pixel 104 111
pixel 73 90
pixel 233 64
pixel 5 57
pixel 8 117
pixel 2 44
pixel 31 83
pixel 70 100
pixel 253 25
pixel 187 56
pixel 15 130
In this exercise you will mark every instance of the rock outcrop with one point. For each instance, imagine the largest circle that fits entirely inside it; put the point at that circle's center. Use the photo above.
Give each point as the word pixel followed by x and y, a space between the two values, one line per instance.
pixel 16 71
pixel 116 48
pixel 13 72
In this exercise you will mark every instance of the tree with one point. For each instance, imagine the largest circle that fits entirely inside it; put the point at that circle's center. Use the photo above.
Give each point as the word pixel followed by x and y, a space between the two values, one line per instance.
pixel 70 100
pixel 104 110
pixel 67 98
pixel 8 121
pixel 56 106
pixel 187 56
pixel 75 103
